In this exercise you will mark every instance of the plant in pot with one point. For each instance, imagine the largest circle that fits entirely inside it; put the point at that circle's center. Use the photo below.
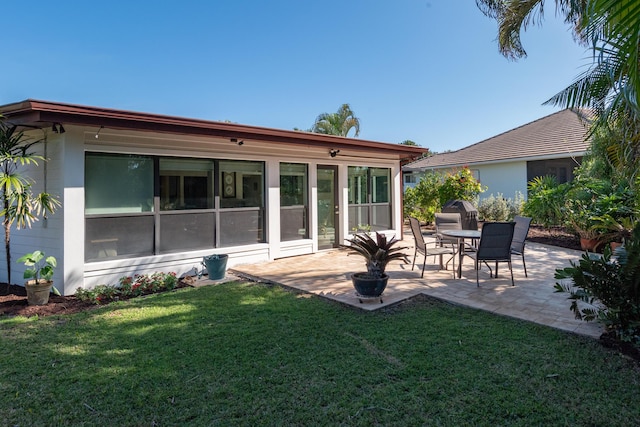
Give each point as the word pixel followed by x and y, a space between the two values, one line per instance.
pixel 378 253
pixel 615 230
pixel 581 221
pixel 39 272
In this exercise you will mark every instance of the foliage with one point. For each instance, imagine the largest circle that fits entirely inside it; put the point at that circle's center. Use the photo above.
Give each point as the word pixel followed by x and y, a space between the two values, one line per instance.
pixel 38 266
pixel 590 200
pixel 607 289
pixel 422 201
pixel 545 201
pixel 497 208
pixel 433 191
pixel 378 253
pixel 18 203
pixel 409 142
pixel 339 123
pixel 460 185
pixel 610 87
pixel 129 287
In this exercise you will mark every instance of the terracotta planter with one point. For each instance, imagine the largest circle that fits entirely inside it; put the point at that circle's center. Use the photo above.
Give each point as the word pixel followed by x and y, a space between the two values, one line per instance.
pixel 38 293
pixel 589 244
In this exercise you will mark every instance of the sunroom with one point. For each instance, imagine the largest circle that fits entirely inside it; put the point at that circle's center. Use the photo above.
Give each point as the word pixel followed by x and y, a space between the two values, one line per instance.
pixel 144 192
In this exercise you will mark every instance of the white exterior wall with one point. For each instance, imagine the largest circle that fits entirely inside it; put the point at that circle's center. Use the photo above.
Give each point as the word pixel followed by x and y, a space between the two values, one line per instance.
pixel 45 235
pixel 506 178
pixel 62 235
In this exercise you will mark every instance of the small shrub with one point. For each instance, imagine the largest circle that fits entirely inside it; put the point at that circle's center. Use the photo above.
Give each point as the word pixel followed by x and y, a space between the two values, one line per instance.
pixel 497 208
pixel 129 287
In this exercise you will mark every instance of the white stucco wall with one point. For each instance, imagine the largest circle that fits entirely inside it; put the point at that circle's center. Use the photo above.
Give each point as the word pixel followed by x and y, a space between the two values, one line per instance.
pixel 506 178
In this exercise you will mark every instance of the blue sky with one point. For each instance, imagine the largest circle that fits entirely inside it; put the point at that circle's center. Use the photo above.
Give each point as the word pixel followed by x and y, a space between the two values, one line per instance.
pixel 428 71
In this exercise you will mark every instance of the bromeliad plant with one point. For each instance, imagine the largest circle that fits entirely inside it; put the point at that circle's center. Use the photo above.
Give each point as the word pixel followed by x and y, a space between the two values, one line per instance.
pixel 378 253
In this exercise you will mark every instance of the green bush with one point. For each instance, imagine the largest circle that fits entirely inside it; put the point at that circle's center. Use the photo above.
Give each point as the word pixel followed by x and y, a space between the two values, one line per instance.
pixel 460 185
pixel 128 287
pixel 434 190
pixel 607 289
pixel 497 208
pixel 422 201
pixel 546 201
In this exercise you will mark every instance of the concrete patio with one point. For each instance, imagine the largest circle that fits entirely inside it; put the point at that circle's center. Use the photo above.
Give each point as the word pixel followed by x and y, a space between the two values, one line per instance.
pixel 327 274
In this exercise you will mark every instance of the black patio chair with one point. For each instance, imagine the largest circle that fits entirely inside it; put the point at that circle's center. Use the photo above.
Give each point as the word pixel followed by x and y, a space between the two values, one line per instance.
pixel 421 248
pixel 494 245
pixel 520 233
pixel 447 221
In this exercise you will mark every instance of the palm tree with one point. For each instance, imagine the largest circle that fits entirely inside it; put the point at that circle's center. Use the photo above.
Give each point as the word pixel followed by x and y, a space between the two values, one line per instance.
pixel 17 202
pixel 339 123
pixel 611 86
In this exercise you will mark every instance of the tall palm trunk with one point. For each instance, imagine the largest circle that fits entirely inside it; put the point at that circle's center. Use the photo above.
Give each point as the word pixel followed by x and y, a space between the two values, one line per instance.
pixel 7 233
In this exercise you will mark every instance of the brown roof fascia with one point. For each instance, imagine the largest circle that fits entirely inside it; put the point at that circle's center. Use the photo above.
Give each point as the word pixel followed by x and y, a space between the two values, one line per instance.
pixel 33 112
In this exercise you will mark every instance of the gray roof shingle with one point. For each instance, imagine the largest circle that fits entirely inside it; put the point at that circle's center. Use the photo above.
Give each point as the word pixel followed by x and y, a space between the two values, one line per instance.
pixel 557 135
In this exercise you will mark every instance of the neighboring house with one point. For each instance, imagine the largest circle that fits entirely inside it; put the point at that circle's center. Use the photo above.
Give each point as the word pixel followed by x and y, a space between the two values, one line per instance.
pixel 143 192
pixel 553 145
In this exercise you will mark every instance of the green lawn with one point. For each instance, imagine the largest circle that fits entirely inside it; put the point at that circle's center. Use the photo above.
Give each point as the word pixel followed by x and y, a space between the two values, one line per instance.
pixel 247 354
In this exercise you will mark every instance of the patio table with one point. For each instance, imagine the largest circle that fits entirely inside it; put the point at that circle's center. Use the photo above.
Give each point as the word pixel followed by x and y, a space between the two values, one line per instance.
pixel 461 235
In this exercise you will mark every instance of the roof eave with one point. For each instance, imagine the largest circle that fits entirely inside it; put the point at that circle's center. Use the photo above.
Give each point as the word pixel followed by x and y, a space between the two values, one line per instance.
pixel 34 112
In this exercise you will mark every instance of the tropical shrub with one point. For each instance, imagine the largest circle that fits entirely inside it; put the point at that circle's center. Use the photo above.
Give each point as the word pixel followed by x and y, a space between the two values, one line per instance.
pixel 606 288
pixel 546 200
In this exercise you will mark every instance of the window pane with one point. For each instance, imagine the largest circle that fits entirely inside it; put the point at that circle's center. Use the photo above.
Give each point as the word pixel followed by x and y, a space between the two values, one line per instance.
pixel 293 223
pixel 293 184
pixel 186 184
pixel 187 232
pixel 357 185
pixel 119 237
pixel 380 185
pixel 381 218
pixel 118 184
pixel 241 184
pixel 358 218
pixel 241 227
pixel 293 201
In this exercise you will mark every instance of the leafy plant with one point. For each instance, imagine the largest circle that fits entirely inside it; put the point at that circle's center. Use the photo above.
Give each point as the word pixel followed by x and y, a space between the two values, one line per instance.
pixel 18 203
pixel 128 287
pixel 38 266
pixel 545 201
pixel 607 288
pixel 423 201
pixel 378 253
pixel 460 185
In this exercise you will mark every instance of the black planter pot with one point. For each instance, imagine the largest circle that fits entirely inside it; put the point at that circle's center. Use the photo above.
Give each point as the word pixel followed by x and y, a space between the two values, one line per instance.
pixel 367 286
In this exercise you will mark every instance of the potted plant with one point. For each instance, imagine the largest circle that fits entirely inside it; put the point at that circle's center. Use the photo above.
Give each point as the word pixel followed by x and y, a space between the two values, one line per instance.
pixel 615 230
pixel 39 271
pixel 378 253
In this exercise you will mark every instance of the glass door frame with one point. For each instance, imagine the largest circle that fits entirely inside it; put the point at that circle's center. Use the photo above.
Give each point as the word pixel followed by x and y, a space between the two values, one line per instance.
pixel 335 207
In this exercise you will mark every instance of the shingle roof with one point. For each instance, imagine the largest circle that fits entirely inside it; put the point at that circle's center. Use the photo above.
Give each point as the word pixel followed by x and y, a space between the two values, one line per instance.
pixel 557 135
